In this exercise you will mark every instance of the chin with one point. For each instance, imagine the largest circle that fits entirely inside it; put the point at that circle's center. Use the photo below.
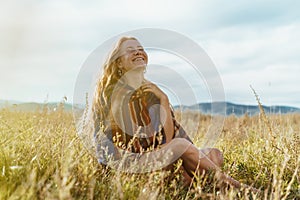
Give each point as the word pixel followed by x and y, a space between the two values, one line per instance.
pixel 141 66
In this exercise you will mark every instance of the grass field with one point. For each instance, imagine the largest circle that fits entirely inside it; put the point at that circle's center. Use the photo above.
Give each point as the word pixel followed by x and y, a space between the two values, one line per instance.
pixel 41 157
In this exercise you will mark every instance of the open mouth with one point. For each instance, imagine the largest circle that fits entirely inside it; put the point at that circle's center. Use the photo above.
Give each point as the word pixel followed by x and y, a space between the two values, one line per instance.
pixel 138 59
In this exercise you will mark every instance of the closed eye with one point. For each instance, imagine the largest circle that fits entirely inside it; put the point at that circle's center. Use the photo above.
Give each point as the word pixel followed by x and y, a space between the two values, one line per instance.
pixel 132 51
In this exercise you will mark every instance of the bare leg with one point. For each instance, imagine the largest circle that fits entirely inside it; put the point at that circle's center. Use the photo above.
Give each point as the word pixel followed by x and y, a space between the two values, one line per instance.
pixel 202 160
pixel 209 159
pixel 187 179
pixel 195 159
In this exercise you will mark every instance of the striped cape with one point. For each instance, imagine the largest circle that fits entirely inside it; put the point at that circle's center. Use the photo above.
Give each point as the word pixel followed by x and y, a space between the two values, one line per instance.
pixel 135 120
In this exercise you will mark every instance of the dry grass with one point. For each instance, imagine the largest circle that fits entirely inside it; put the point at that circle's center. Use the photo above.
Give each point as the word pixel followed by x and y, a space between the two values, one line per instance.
pixel 42 158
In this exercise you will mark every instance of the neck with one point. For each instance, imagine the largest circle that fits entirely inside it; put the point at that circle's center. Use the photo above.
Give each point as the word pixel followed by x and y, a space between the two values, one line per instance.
pixel 135 78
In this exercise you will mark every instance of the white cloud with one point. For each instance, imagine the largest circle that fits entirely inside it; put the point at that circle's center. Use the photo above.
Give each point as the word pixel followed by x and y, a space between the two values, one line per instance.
pixel 43 44
pixel 265 58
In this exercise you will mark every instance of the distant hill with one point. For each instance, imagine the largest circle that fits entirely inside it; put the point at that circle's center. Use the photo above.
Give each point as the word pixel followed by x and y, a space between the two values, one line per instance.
pixel 7 103
pixel 32 106
pixel 215 108
pixel 228 108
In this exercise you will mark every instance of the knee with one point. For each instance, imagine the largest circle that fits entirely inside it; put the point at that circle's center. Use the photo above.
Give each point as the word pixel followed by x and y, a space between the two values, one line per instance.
pixel 178 147
pixel 217 157
pixel 180 143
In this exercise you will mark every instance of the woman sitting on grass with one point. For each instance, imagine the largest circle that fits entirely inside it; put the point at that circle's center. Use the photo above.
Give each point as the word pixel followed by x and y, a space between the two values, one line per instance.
pixel 136 119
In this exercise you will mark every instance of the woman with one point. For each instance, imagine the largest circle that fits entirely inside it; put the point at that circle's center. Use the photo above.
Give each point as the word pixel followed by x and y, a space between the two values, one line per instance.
pixel 136 116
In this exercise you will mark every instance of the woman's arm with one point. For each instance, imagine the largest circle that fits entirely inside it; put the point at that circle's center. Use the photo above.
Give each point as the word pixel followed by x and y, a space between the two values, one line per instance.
pixel 166 118
pixel 165 110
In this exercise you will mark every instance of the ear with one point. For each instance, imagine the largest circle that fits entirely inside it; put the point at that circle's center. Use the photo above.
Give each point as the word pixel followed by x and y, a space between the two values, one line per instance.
pixel 119 64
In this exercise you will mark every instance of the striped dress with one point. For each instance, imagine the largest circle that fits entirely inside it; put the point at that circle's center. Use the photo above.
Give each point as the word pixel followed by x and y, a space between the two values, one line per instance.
pixel 135 120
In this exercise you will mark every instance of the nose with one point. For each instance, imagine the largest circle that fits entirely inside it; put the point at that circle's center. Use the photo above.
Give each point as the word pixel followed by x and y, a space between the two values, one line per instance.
pixel 137 52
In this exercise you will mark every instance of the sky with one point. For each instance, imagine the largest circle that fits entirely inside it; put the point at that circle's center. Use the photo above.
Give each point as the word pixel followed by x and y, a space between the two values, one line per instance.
pixel 44 44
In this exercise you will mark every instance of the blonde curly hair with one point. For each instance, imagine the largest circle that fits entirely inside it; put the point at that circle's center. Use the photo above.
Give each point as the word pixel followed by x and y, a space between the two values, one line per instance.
pixel 101 105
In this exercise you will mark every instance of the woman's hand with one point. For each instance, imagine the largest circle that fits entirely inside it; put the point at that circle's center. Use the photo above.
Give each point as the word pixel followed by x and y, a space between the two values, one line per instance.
pixel 165 112
pixel 151 87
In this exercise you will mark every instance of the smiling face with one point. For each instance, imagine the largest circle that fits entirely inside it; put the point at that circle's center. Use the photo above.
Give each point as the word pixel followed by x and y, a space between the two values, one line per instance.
pixel 133 56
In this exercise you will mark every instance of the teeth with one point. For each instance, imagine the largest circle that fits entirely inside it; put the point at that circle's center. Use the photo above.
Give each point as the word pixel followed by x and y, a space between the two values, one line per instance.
pixel 138 59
